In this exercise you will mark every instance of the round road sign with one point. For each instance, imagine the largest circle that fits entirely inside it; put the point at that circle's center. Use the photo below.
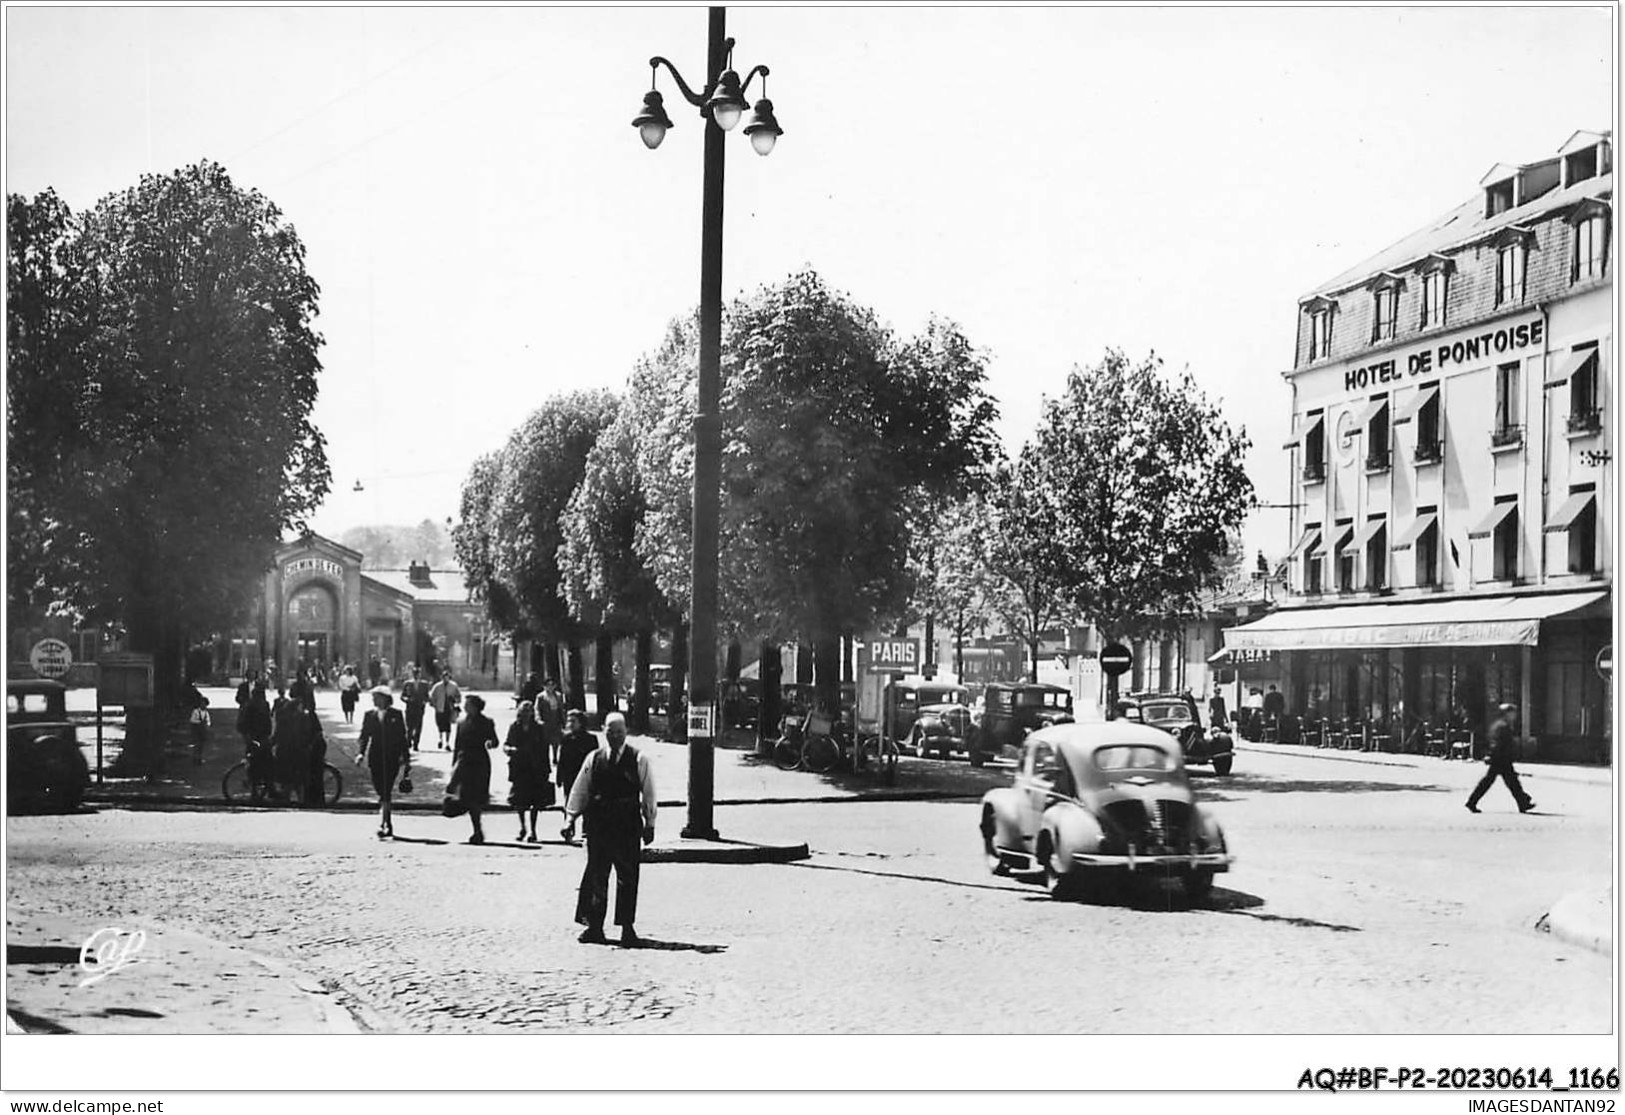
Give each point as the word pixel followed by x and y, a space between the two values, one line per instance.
pixel 50 658
pixel 1116 659
pixel 1605 661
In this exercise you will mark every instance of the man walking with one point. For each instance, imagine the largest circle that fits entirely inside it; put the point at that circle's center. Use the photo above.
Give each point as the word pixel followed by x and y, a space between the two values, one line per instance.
pixel 414 699
pixel 617 795
pixel 1503 749
pixel 445 697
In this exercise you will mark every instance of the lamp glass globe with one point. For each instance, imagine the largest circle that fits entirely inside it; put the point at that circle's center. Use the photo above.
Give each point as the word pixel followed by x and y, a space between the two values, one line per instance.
pixel 763 140
pixel 652 133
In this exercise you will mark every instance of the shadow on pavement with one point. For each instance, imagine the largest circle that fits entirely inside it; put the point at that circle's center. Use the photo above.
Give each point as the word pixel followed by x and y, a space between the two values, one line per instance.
pixel 1302 923
pixel 1214 787
pixel 900 875
pixel 415 840
pixel 673 946
pixel 41 954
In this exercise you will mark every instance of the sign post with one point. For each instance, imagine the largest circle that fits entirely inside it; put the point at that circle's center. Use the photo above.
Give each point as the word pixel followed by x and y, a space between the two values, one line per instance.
pixel 1115 660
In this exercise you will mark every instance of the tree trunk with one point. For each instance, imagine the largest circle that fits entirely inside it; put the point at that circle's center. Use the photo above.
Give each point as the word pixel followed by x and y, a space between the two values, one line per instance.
pixel 959 646
pixel 770 670
pixel 550 661
pixel 639 712
pixel 604 675
pixel 677 705
pixel 731 666
pixel 848 653
pixel 578 678
pixel 804 664
pixel 929 651
pixel 1032 658
pixel 827 674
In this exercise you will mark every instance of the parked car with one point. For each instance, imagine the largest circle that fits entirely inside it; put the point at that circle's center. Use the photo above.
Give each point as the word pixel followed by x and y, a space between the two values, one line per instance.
pixel 943 727
pixel 44 767
pixel 1101 801
pixel 908 698
pixel 1010 710
pixel 1177 714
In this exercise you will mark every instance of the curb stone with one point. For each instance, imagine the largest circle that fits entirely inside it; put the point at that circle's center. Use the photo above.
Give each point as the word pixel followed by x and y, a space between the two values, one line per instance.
pixel 1583 918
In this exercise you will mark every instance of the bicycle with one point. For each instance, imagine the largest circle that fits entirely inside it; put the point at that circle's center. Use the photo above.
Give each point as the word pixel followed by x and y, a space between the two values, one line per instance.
pixel 243 783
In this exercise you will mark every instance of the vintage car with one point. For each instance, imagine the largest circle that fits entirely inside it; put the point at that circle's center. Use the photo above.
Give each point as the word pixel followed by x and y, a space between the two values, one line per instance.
pixel 44 767
pixel 1097 802
pixel 1009 711
pixel 1176 714
pixel 944 726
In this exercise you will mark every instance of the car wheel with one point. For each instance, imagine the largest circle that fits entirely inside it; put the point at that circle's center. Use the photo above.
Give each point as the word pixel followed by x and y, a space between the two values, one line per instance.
pixel 1063 886
pixel 995 862
pixel 1199 884
pixel 977 758
pixel 1221 763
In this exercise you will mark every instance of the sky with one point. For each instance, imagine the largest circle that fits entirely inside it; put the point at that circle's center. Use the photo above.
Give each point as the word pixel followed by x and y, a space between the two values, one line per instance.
pixel 488 231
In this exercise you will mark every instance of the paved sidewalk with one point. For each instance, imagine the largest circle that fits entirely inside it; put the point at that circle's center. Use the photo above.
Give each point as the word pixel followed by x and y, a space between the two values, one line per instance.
pixel 157 980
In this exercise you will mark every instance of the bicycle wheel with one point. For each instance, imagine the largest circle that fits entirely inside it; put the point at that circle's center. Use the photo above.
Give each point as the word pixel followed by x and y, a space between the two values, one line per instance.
pixel 787 754
pixel 888 762
pixel 820 753
pixel 237 787
pixel 332 784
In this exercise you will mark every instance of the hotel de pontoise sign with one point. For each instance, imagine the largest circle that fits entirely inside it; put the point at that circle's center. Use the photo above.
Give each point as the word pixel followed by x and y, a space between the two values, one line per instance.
pixel 1448 354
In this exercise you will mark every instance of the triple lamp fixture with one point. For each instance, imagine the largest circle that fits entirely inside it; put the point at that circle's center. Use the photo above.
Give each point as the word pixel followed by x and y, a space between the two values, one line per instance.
pixel 724 100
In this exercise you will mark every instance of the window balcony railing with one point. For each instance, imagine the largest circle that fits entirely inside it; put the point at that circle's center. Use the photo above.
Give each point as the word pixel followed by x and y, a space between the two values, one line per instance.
pixel 1314 471
pixel 1505 437
pixel 1587 421
pixel 1378 460
pixel 1429 452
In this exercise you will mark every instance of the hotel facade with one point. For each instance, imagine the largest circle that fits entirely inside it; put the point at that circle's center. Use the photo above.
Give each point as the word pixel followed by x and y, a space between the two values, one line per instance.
pixel 1453 521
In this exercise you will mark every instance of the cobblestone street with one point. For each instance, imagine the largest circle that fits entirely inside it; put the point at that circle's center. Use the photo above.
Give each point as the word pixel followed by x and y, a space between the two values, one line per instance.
pixel 1365 900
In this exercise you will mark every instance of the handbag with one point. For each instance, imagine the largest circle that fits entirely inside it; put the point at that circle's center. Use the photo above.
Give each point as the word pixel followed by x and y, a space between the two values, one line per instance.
pixel 406 785
pixel 452 807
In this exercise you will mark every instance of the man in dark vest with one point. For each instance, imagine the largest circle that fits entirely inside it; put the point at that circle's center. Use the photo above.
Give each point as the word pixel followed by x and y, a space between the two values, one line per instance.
pixel 1503 749
pixel 617 795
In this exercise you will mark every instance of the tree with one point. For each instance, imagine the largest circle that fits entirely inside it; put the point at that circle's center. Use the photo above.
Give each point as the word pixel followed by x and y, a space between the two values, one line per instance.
pixel 954 572
pixel 834 431
pixel 1027 582
pixel 1142 483
pixel 473 541
pixel 162 413
pixel 543 463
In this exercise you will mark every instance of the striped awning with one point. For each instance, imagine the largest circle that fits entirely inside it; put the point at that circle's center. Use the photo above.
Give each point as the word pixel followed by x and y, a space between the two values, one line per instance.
pixel 1420 526
pixel 1415 403
pixel 1572 509
pixel 1490 621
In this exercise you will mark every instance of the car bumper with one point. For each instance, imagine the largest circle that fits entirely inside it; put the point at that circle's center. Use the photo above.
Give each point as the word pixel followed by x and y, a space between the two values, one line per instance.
pixel 1216 861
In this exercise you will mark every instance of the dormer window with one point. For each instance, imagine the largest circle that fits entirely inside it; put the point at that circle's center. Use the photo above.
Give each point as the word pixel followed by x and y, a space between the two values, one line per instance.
pixel 1500 196
pixel 1512 251
pixel 1585 155
pixel 1590 259
pixel 1434 288
pixel 1321 311
pixel 1385 313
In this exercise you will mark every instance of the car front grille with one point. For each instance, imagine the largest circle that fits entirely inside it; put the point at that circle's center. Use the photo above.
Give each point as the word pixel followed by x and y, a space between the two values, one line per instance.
pixel 1151 826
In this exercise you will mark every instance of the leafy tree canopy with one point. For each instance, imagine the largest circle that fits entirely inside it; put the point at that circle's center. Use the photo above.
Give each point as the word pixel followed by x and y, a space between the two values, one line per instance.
pixel 159 396
pixel 1140 481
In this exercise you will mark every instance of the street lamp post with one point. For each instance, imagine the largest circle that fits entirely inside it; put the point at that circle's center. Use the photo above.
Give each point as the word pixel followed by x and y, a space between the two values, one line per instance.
pixel 721 103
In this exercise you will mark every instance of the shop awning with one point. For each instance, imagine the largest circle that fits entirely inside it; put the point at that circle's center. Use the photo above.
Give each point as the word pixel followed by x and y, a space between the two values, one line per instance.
pixel 1339 536
pixel 1415 403
pixel 1572 509
pixel 1417 529
pixel 1307 543
pixel 1368 532
pixel 1574 363
pixel 1488 622
pixel 1495 518
pixel 1362 418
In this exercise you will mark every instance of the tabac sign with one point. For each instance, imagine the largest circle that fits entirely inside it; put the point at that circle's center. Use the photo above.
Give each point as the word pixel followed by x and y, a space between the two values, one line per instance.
pixel 319 566
pixel 1448 354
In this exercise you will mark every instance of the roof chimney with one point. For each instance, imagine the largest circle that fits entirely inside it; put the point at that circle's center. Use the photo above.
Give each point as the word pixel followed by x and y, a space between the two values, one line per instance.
pixel 418 573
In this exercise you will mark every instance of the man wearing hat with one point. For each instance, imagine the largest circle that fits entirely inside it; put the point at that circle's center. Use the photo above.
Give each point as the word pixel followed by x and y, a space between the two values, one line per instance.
pixel 617 794
pixel 1503 749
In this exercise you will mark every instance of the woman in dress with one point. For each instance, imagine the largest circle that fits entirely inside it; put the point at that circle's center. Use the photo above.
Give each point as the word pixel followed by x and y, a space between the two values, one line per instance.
pixel 349 693
pixel 383 753
pixel 577 746
pixel 529 771
pixel 470 785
